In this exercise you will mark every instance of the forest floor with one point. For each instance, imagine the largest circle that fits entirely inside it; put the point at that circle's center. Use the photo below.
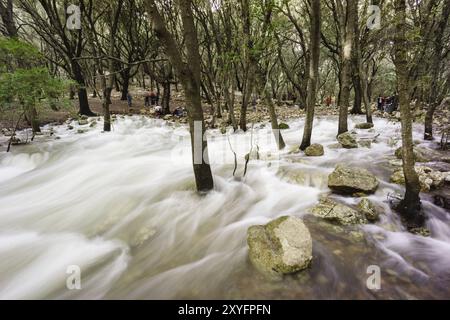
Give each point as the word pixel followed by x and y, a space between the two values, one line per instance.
pixel 259 113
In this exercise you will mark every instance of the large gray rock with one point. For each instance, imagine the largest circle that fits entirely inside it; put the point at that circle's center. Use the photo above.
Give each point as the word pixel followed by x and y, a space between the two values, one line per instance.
pixel 338 213
pixel 314 150
pixel 348 180
pixel 347 140
pixel 282 246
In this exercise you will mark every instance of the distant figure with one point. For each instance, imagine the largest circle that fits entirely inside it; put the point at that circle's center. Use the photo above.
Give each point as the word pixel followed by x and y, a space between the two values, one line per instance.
pixel 158 111
pixel 129 100
pixel 154 98
pixel 328 101
pixel 380 103
pixel 178 112
pixel 147 98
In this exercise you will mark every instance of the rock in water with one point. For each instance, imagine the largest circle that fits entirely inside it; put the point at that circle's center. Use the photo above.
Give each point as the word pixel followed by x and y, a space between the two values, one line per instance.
pixel 347 140
pixel 336 212
pixel 365 125
pixel 367 207
pixel 283 126
pixel 314 150
pixel 419 154
pixel 348 180
pixel 282 246
pixel 429 179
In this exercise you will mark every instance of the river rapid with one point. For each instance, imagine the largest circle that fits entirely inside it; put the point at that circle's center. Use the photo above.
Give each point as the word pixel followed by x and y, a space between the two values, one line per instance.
pixel 121 206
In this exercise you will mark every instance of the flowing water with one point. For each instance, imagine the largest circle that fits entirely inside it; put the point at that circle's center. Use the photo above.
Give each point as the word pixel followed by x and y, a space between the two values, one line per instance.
pixel 122 207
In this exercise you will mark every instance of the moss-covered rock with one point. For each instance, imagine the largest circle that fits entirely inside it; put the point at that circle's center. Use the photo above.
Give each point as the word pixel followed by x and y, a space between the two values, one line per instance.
pixel 368 209
pixel 282 246
pixel 314 150
pixel 347 140
pixel 283 126
pixel 337 213
pixel 346 180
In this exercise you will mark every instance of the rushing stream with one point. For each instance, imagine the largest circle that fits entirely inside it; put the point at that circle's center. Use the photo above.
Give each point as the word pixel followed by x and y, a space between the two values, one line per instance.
pixel 122 207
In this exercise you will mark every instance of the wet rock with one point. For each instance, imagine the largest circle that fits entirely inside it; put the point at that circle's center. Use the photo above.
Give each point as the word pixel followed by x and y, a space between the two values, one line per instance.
pixel 93 124
pixel 283 126
pixel 80 131
pixel 420 155
pixel 365 125
pixel 314 150
pixel 424 232
pixel 282 246
pixel 368 209
pixel 441 201
pixel 69 127
pixel 429 179
pixel 82 122
pixel 294 149
pixel 347 140
pixel 348 180
pixel 167 117
pixel 365 143
pixel 337 213
pixel 15 141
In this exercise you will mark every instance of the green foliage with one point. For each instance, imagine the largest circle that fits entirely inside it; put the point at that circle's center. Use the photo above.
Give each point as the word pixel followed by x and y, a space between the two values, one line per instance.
pixel 24 82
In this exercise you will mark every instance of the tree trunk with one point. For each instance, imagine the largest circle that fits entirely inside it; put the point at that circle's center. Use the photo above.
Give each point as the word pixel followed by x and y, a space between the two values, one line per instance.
pixel 433 99
pixel 7 15
pixel 125 84
pixel 165 103
pixel 347 65
pixel 410 206
pixel 189 73
pixel 313 73
pixel 273 119
pixel 115 14
pixel 82 92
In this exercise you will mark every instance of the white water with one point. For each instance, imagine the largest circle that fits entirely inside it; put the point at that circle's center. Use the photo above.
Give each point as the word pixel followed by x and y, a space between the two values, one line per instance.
pixel 122 207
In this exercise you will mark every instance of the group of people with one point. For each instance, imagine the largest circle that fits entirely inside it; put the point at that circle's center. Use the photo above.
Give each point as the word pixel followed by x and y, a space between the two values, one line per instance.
pixel 151 98
pixel 387 104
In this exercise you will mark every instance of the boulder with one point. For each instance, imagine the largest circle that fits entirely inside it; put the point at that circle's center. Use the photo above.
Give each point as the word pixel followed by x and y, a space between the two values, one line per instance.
pixel 365 125
pixel 337 213
pixel 368 209
pixel 429 179
pixel 282 246
pixel 283 126
pixel 419 154
pixel 348 180
pixel 314 150
pixel 82 122
pixel 347 140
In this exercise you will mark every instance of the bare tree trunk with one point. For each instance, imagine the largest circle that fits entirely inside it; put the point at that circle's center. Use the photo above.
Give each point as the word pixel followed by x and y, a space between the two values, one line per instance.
pixel 410 206
pixel 313 73
pixel 273 118
pixel 347 65
pixel 189 73
pixel 115 14
pixel 434 100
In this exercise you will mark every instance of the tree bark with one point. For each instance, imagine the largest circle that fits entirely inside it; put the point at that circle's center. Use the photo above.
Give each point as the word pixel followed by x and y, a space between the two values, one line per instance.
pixel 313 73
pixel 410 206
pixel 347 65
pixel 433 99
pixel 189 73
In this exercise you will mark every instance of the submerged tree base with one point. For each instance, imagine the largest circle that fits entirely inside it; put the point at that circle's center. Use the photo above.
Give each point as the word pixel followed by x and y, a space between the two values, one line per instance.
pixel 412 214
